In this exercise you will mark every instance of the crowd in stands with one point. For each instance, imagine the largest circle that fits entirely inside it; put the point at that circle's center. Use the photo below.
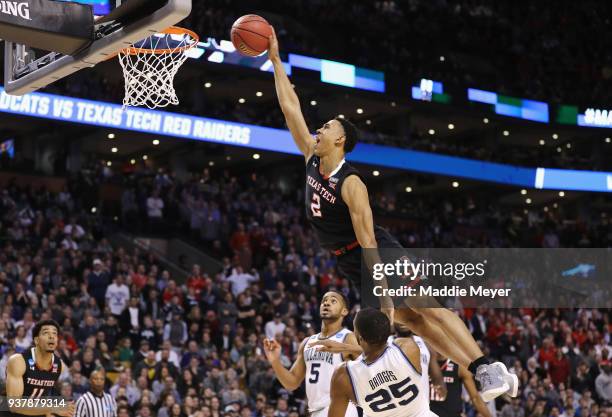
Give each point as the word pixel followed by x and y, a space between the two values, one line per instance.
pixel 549 50
pixel 193 348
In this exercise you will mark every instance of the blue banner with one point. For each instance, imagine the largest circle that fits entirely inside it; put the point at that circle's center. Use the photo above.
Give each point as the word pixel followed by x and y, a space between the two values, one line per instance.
pixel 113 116
pixel 68 109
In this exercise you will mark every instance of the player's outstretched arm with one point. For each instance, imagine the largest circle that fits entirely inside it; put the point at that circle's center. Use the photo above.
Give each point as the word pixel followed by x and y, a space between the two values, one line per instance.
pixel 292 378
pixel 349 349
pixel 289 102
pixel 341 392
pixel 15 369
pixel 468 382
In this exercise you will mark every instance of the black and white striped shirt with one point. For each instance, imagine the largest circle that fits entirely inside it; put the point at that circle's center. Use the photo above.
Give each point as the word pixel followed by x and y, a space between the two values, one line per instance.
pixel 92 405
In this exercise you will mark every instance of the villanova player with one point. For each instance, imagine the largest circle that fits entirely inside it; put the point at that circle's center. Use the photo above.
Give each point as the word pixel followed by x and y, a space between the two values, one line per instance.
pixel 316 366
pixel 34 373
pixel 338 207
pixel 390 379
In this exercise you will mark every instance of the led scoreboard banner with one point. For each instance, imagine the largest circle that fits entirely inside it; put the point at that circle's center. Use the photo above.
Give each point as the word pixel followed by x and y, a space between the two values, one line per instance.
pixel 429 90
pixel 521 108
pixel 162 123
pixel 331 72
pixel 588 117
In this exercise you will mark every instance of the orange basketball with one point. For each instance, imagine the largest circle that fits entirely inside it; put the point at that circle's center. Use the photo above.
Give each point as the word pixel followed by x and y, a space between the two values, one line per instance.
pixel 250 35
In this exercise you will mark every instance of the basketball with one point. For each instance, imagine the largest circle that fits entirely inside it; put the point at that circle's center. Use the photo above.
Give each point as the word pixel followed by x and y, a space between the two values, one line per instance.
pixel 250 34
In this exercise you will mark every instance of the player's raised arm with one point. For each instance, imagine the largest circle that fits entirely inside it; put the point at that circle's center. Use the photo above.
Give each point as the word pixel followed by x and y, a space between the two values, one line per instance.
pixel 340 392
pixel 15 369
pixel 292 378
pixel 289 102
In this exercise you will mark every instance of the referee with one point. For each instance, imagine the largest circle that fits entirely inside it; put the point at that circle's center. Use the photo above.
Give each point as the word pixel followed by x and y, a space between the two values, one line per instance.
pixel 96 402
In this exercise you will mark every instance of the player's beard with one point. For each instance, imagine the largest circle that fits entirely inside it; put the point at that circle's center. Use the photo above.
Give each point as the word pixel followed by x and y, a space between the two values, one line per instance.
pixel 331 317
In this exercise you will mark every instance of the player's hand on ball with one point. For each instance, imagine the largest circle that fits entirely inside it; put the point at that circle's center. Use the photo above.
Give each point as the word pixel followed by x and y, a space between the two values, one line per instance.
pixel 328 346
pixel 68 410
pixel 273 53
pixel 272 349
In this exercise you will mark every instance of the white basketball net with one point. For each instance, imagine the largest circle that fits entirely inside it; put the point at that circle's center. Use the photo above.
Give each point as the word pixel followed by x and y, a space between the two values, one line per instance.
pixel 149 68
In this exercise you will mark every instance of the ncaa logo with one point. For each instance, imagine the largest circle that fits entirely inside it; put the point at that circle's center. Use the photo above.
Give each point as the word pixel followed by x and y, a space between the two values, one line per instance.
pixel 31 363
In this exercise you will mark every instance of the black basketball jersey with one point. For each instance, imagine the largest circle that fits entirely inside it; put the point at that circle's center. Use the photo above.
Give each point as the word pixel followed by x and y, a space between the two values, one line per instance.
pixel 452 405
pixel 325 209
pixel 38 382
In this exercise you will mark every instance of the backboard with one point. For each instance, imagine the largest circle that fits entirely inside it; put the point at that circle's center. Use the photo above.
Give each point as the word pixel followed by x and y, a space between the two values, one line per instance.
pixel 130 22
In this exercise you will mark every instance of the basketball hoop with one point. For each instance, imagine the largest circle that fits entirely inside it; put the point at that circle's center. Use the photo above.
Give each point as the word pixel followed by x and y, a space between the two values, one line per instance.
pixel 149 67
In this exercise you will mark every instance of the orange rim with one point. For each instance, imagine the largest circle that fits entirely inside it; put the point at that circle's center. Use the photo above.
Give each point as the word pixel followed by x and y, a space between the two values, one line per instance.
pixel 173 30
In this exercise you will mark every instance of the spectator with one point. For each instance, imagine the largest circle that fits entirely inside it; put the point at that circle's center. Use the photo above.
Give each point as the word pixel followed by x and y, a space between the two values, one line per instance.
pixel 131 319
pixel 97 282
pixel 176 331
pixel 513 409
pixel 155 210
pixel 74 229
pixel 275 327
pixel 167 355
pixel 560 368
pixel 117 296
pixel 603 382
pixel 240 280
pixel 125 387
pixel 234 395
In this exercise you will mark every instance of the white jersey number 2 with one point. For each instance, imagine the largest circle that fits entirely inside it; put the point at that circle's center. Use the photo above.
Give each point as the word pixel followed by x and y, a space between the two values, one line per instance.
pixel 315 206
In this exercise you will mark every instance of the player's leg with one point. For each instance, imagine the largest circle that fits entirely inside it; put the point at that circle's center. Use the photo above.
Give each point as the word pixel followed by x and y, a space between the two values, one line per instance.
pixel 447 334
pixel 433 334
pixel 445 331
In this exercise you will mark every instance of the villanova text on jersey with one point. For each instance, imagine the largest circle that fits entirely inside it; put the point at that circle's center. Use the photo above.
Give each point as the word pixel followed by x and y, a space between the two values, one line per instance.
pixel 320 367
pixel 313 354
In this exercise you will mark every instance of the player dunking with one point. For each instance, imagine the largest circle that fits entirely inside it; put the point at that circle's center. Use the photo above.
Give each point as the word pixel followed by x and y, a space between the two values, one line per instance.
pixel 338 208
pixel 34 373
pixel 316 366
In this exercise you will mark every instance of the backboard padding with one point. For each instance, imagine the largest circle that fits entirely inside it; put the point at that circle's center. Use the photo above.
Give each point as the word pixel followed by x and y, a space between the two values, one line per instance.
pixel 128 27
